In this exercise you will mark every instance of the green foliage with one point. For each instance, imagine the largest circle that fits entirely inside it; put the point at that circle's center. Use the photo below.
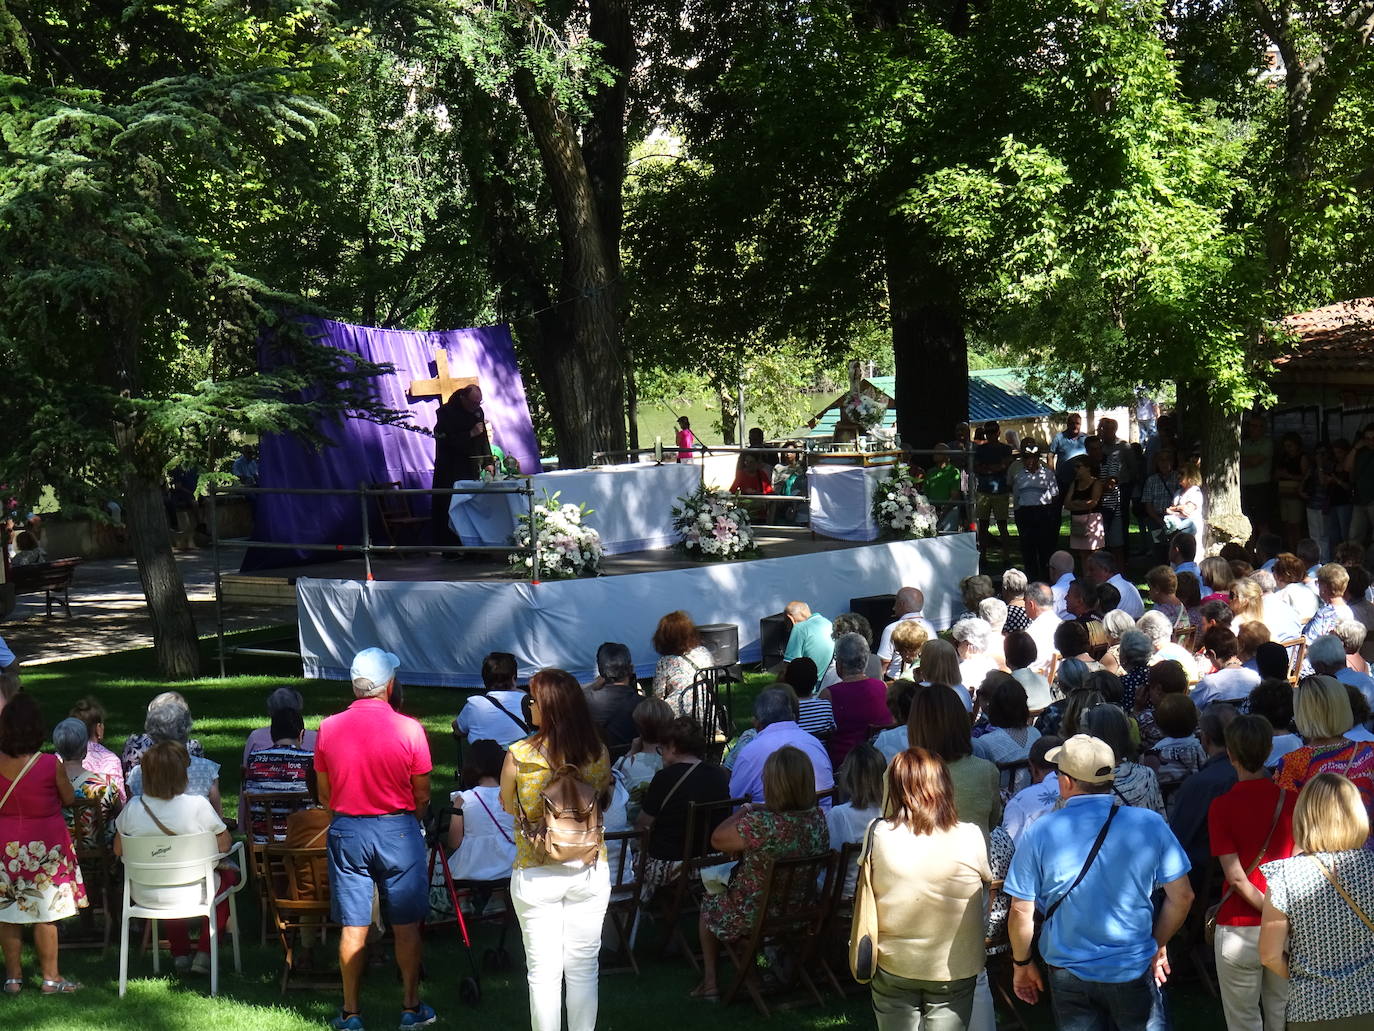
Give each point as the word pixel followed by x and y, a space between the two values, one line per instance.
pixel 120 302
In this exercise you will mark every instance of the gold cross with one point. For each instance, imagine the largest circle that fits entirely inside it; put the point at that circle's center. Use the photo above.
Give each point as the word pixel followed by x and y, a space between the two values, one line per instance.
pixel 442 385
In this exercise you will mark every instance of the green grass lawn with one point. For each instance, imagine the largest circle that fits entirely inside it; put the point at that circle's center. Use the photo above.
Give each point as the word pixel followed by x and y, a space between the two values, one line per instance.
pixel 225 711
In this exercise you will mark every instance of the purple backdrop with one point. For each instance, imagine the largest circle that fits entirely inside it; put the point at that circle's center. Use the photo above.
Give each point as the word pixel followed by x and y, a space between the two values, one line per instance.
pixel 367 453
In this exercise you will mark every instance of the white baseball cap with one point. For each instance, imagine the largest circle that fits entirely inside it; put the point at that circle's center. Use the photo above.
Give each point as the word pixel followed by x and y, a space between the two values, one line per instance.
pixel 375 665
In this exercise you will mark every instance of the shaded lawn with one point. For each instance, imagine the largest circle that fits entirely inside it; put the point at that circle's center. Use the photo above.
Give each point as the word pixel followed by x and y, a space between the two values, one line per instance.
pixel 225 711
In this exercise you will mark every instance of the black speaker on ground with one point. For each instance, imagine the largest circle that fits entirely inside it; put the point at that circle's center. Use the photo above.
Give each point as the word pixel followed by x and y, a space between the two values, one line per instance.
pixel 773 634
pixel 877 609
pixel 722 641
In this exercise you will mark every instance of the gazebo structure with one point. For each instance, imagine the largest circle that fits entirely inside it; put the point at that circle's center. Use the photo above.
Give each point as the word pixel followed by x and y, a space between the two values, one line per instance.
pixel 998 394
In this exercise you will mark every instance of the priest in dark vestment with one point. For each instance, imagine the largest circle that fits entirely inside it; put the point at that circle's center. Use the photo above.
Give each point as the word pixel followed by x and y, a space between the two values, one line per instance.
pixel 461 445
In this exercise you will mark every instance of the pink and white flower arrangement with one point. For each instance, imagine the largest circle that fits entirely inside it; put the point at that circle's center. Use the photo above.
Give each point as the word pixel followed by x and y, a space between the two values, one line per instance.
pixel 568 548
pixel 712 524
pixel 863 410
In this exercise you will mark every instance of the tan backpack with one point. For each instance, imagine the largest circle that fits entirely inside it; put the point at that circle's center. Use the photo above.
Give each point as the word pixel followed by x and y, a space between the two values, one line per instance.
pixel 571 829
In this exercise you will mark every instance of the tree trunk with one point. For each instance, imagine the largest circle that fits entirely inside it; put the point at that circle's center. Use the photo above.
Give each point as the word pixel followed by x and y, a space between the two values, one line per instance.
pixel 1205 420
pixel 929 348
pixel 728 417
pixel 579 357
pixel 175 642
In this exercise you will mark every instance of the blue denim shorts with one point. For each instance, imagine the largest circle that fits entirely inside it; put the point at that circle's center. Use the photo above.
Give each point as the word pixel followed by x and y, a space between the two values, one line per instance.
pixel 385 853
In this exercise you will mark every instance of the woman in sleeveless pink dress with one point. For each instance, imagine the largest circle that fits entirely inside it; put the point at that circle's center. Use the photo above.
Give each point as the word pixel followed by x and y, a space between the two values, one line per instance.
pixel 40 881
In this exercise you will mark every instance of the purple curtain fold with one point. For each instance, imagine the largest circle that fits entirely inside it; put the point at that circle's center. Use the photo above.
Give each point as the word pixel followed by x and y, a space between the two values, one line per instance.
pixel 364 452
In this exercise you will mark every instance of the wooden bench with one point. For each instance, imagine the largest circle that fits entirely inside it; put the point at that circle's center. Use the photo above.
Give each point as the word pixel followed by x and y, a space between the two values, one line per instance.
pixel 51 578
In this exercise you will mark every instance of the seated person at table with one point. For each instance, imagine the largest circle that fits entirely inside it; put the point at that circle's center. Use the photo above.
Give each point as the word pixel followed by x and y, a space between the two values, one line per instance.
pixel 787 824
pixel 908 638
pixel 686 777
pixel 638 766
pixel 860 781
pixel 281 699
pixel 481 834
pixel 499 714
pixel 282 768
pixel 775 719
pixel 613 695
pixel 814 711
pixel 168 807
pixel 859 701
pixel 682 657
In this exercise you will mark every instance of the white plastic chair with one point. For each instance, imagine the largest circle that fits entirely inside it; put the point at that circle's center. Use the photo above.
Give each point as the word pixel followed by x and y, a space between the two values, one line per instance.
pixel 168 861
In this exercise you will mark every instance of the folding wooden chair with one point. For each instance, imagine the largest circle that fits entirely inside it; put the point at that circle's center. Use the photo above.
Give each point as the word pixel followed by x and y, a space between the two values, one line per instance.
pixel 686 889
pixel 297 881
pixel 792 911
pixel 394 509
pixel 834 938
pixel 97 861
pixel 623 911
pixel 1192 936
pixel 999 963
pixel 1297 652
pixel 702 703
pixel 261 815
pixel 1009 772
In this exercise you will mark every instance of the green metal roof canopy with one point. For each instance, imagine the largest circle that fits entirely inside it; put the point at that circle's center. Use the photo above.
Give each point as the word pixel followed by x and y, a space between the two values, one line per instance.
pixel 992 394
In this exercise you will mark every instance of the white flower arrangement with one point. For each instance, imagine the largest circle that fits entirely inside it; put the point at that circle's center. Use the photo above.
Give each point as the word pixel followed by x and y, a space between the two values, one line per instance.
pixel 863 410
pixel 713 525
pixel 899 507
pixel 568 548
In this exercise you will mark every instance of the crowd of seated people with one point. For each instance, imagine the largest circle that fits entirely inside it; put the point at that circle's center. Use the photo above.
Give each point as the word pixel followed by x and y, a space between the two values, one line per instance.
pixel 1194 707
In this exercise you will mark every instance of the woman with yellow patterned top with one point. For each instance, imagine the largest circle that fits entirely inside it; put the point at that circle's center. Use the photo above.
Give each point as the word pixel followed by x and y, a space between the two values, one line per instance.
pixel 560 906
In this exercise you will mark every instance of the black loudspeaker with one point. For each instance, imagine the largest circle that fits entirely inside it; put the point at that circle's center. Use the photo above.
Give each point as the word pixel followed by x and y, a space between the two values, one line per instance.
pixel 722 641
pixel 877 609
pixel 773 634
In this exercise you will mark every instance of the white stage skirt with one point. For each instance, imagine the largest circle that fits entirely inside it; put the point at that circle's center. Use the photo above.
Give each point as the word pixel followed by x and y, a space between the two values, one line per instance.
pixel 442 631
pixel 842 500
pixel 632 504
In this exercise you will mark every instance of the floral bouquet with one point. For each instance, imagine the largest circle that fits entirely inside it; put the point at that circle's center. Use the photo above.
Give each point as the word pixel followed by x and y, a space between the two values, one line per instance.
pixel 863 410
pixel 899 507
pixel 713 525
pixel 567 547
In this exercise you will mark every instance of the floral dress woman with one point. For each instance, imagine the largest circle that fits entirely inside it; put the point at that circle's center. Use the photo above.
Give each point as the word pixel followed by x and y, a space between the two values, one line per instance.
pixel 767 835
pixel 40 880
pixel 674 674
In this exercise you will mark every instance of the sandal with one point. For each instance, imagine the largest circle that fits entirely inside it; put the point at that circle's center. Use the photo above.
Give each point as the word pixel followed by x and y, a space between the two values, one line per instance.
pixel 60 987
pixel 700 992
pixel 14 985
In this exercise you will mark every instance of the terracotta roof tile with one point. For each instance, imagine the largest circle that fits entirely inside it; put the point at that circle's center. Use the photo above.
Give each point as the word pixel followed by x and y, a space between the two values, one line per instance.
pixel 1336 336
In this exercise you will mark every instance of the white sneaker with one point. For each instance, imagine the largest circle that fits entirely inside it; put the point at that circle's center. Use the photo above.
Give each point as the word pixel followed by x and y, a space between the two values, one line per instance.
pixel 201 964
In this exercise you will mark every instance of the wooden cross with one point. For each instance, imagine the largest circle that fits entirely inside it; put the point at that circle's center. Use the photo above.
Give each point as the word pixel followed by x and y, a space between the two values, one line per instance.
pixel 442 385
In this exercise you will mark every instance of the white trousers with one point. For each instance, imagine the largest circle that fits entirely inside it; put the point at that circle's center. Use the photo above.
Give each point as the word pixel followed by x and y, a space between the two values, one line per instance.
pixel 1253 999
pixel 561 910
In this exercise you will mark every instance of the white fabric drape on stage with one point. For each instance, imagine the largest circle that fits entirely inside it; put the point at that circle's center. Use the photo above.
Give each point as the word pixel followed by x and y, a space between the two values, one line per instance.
pixel 632 504
pixel 842 500
pixel 441 631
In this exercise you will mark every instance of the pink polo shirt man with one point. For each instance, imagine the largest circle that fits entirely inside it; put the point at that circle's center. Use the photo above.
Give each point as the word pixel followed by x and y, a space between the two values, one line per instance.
pixel 369 752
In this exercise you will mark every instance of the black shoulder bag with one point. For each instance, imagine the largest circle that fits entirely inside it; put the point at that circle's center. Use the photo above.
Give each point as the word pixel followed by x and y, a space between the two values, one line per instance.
pixel 1087 865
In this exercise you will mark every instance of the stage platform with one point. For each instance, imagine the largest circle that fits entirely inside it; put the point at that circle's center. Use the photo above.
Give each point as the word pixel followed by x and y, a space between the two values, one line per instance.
pixel 441 618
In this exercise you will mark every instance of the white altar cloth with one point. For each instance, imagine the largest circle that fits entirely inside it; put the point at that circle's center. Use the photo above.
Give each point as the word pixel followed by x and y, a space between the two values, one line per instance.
pixel 842 500
pixel 632 504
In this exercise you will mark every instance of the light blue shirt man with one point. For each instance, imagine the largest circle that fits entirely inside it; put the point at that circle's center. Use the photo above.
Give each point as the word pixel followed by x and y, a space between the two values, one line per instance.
pixel 778 728
pixel 810 637
pixel 1104 929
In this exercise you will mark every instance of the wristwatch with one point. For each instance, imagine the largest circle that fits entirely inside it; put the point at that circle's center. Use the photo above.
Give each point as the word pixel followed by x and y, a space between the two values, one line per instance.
pixel 1022 962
